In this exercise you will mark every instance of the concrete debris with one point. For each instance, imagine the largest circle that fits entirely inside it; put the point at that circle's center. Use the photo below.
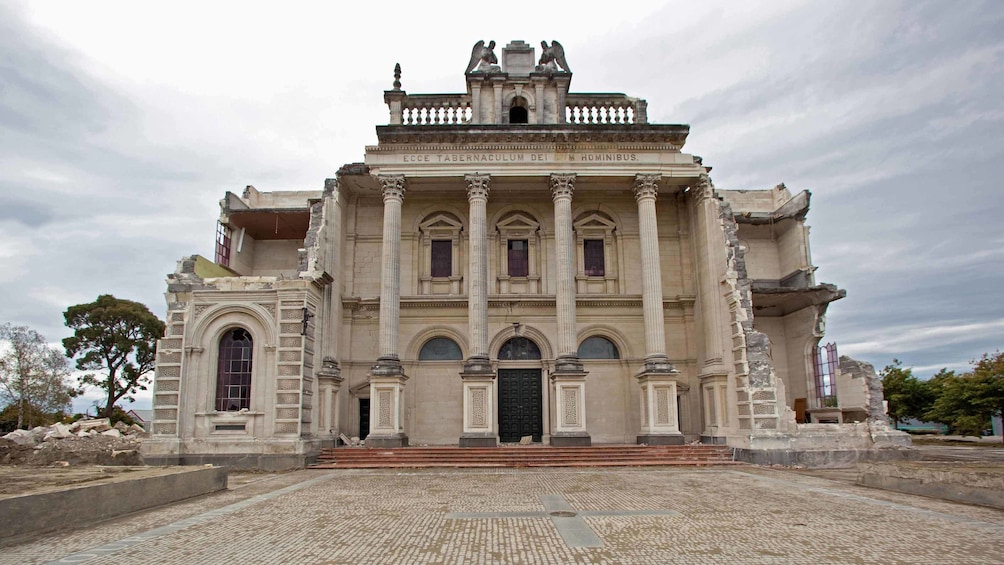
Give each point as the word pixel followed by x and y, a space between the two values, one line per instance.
pixel 58 431
pixel 86 442
pixel 99 424
pixel 21 437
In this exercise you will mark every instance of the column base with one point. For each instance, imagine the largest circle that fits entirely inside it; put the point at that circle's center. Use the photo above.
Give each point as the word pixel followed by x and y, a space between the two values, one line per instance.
pixel 571 439
pixel 381 441
pixel 661 439
pixel 714 440
pixel 479 440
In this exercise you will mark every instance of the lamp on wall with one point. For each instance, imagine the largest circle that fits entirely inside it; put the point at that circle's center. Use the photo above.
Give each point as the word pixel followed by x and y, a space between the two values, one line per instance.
pixel 306 318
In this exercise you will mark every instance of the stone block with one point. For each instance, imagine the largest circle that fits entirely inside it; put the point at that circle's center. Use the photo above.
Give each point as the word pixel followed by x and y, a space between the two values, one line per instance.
pixel 21 437
pixel 100 425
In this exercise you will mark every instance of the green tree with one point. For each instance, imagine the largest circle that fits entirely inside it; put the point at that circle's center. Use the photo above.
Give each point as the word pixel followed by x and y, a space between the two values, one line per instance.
pixel 988 379
pixel 905 394
pixel 32 375
pixel 967 402
pixel 118 338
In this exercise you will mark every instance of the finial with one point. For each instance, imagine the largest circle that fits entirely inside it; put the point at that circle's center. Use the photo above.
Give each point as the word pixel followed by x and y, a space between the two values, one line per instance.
pixel 397 76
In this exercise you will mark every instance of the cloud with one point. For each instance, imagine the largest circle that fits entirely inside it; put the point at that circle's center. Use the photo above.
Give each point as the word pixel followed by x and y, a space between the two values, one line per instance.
pixel 117 141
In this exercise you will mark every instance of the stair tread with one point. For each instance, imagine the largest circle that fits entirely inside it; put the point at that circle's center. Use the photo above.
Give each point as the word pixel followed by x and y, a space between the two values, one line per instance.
pixel 524 456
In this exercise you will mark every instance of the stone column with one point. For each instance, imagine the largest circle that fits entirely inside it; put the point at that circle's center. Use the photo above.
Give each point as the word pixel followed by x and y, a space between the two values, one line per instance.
pixel 659 425
pixel 569 378
pixel 387 377
pixel 477 375
pixel 713 373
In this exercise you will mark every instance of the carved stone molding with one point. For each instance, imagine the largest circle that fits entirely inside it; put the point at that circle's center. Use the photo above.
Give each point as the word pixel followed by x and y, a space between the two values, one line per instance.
pixel 393 186
pixel 646 186
pixel 562 185
pixel 478 186
pixel 703 188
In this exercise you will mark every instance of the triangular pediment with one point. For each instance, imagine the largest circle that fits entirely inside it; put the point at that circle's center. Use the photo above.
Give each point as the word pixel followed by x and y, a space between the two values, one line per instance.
pixel 441 221
pixel 594 221
pixel 518 221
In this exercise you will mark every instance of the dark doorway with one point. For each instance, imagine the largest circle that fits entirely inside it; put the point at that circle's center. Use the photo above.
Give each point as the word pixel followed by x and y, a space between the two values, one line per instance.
pixel 520 405
pixel 364 417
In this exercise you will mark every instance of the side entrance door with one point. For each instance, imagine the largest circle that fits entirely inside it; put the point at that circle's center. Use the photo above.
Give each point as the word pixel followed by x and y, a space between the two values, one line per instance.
pixel 364 417
pixel 520 405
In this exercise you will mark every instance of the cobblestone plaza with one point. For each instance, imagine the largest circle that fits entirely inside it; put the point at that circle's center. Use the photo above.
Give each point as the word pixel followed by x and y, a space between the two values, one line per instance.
pixel 735 515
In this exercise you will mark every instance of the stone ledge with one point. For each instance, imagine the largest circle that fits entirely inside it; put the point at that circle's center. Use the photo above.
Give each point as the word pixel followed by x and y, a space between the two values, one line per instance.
pixel 236 461
pixel 23 517
pixel 956 481
pixel 834 458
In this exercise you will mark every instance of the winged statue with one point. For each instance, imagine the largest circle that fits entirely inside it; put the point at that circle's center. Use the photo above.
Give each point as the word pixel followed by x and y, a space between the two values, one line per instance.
pixel 482 57
pixel 553 56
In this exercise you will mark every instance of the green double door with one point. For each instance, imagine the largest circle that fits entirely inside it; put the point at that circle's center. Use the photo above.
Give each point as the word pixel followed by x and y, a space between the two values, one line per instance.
pixel 521 411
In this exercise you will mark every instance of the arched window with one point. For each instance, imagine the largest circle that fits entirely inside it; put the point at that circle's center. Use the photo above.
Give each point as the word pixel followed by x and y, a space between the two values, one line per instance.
pixel 597 347
pixel 518 113
pixel 519 349
pixel 233 379
pixel 440 349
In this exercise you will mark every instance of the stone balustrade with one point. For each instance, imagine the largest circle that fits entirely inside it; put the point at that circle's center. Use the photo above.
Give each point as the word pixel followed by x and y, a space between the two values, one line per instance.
pixel 605 109
pixel 437 109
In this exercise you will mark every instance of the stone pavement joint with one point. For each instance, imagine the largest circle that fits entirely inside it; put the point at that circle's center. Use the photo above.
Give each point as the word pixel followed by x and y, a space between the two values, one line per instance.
pixel 571 527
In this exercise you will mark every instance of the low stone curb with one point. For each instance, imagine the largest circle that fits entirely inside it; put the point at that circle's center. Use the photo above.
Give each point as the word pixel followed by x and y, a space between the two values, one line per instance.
pixel 28 515
pixel 948 481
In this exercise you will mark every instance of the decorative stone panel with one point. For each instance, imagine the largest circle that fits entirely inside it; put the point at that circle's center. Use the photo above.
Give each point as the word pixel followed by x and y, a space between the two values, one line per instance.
pixel 478 403
pixel 165 414
pixel 165 428
pixel 165 400
pixel 570 400
pixel 167 385
pixel 662 406
pixel 287 398
pixel 386 406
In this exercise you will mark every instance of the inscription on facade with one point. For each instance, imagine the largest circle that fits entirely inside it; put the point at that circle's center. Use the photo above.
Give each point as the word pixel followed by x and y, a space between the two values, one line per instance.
pixel 514 157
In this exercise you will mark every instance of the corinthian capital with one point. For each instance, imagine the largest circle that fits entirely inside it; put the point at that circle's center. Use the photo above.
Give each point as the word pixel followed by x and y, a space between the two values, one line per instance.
pixel 393 186
pixel 704 188
pixel 478 186
pixel 646 186
pixel 562 186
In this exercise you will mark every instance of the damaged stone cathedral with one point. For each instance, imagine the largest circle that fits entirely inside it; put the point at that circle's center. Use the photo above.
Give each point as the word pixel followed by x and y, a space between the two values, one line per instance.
pixel 517 261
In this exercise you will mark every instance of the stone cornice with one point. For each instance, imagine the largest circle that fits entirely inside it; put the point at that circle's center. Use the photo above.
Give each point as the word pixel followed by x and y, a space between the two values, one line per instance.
pixel 520 301
pixel 671 134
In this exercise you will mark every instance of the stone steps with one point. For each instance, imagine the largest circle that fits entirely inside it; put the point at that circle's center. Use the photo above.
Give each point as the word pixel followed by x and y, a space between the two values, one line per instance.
pixel 524 456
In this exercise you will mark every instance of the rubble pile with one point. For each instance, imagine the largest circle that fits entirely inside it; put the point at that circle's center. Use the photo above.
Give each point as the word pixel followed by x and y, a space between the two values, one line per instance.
pixel 84 442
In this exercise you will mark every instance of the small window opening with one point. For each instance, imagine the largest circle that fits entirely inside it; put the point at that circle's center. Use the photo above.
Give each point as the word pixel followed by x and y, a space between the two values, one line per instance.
pixel 222 244
pixel 592 254
pixel 442 258
pixel 519 258
pixel 518 113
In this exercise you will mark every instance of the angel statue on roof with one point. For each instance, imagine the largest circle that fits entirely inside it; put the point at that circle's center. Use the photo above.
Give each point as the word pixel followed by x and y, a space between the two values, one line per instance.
pixel 483 57
pixel 553 56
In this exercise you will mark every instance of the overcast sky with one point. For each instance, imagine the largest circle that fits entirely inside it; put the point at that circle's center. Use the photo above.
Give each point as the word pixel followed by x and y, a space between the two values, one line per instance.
pixel 123 123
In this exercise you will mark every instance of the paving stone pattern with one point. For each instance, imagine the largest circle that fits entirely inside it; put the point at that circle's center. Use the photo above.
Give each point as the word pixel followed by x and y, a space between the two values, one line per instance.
pixel 487 516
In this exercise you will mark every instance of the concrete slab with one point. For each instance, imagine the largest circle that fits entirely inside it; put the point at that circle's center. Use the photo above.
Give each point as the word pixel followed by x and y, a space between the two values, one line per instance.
pixel 96 493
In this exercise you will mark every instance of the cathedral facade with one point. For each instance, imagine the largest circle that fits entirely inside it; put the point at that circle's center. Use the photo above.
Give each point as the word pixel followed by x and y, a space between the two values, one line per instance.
pixel 517 261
